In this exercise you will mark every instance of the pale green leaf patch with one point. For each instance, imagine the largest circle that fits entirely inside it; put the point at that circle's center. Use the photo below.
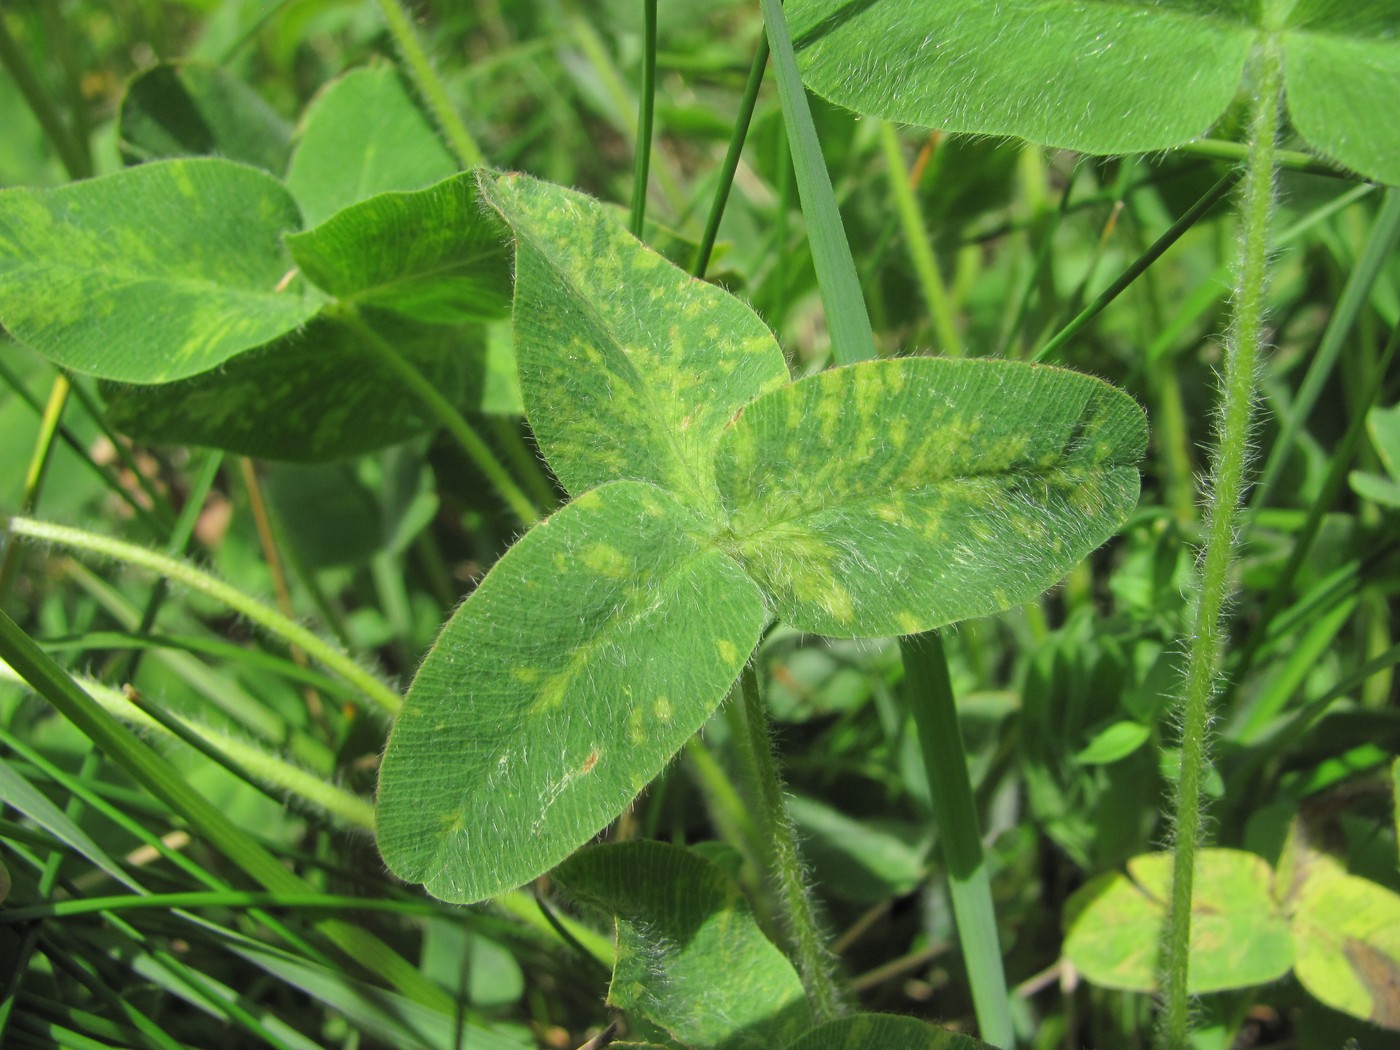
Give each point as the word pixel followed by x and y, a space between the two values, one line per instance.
pixel 152 274
pixel 629 368
pixel 592 650
pixel 682 925
pixel 891 497
pixel 432 255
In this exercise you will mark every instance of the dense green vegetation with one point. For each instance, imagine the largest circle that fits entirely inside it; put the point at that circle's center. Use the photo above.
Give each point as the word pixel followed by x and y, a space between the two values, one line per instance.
pixel 919 585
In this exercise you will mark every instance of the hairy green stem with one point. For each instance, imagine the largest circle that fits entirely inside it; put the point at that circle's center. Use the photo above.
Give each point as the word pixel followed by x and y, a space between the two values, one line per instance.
pixel 430 85
pixel 1230 460
pixel 808 942
pixel 472 443
pixel 186 575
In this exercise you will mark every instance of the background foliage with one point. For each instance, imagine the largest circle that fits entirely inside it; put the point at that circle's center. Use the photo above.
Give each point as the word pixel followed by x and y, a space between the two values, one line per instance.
pixel 368 516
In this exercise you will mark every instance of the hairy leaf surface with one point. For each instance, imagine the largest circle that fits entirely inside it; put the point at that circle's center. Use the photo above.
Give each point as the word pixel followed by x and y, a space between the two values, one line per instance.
pixel 1101 77
pixel 151 274
pixel 629 367
pixel 1109 77
pixel 896 496
pixel 432 255
pixel 362 135
pixel 684 925
pixel 592 650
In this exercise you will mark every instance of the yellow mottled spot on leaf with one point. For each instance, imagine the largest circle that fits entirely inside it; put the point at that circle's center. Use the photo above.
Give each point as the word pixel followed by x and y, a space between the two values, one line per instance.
pixel 892 512
pixel 828 418
pixel 661 707
pixel 525 675
pixel 636 726
pixel 588 500
pixel 908 623
pixel 727 652
pixel 606 560
pixel 552 693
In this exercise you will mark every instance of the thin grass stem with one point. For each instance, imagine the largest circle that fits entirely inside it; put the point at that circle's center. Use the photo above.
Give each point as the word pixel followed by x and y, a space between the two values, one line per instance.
pixel 185 574
pixel 646 115
pixel 916 237
pixel 731 158
pixel 1155 251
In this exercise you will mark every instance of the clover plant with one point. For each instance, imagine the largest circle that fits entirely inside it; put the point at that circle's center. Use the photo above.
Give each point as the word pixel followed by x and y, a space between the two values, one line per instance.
pixel 313 293
pixel 710 496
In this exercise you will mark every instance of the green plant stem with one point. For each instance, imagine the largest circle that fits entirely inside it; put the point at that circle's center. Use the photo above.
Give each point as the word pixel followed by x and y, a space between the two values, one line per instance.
pixel 936 295
pixel 929 694
pixel 1141 263
pixel 70 154
pixel 1230 460
pixel 645 118
pixel 147 519
pixel 180 536
pixel 814 962
pixel 731 158
pixel 472 443
pixel 184 574
pixel 430 85
pixel 1332 486
pixel 206 819
pixel 1380 249
pixel 38 467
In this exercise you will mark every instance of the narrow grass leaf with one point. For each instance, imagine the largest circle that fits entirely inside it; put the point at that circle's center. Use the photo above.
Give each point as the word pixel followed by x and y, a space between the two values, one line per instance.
pixel 683 925
pixel 892 497
pixel 592 650
pixel 316 395
pixel 432 255
pixel 152 274
pixel 363 135
pixel 195 109
pixel 629 367
pixel 24 797
pixel 883 1032
pixel 1239 932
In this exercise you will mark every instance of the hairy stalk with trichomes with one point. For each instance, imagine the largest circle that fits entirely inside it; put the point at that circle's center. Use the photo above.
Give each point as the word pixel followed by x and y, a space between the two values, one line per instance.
pixel 1230 460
